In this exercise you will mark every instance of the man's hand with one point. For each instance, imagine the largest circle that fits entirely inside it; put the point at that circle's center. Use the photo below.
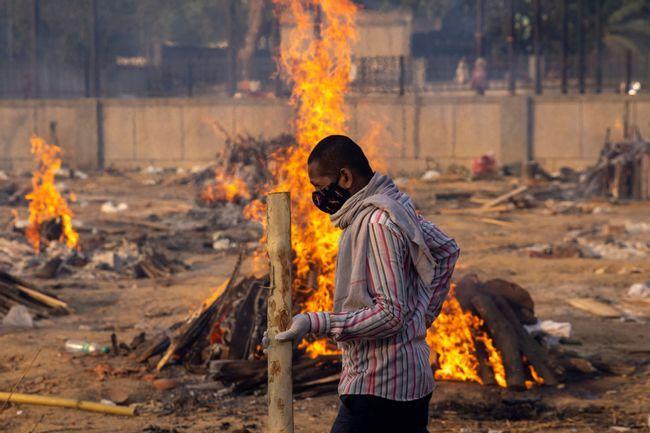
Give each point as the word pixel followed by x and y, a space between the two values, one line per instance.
pixel 300 326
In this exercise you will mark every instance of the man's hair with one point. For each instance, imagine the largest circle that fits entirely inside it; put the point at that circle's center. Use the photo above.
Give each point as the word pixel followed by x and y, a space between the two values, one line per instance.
pixel 335 152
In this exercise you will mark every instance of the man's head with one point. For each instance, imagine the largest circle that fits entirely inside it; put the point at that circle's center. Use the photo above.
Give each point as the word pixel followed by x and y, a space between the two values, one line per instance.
pixel 337 169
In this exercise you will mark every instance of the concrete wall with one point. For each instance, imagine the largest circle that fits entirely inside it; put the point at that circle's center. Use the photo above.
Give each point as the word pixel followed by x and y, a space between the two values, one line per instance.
pixel 409 133
pixel 76 129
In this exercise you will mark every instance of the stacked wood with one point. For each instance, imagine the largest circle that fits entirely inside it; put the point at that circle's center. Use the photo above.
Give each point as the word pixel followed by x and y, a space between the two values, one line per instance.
pixel 230 326
pixel 504 308
pixel 622 171
pixel 16 291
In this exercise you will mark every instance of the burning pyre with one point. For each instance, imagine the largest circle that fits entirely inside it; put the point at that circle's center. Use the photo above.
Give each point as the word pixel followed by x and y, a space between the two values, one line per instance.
pixel 48 210
pixel 317 61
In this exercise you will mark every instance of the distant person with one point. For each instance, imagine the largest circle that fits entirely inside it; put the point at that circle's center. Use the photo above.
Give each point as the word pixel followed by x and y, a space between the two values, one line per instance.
pixel 462 72
pixel 479 76
pixel 393 272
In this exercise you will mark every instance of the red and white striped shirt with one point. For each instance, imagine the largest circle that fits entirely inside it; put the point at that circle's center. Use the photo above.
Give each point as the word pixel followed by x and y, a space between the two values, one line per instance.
pixel 384 351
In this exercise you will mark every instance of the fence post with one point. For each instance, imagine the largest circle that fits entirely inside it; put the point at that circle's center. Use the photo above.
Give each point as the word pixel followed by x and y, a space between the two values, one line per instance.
pixel 599 47
pixel 280 384
pixel 512 81
pixel 565 47
pixel 537 45
pixel 402 75
pixel 581 46
pixel 34 89
pixel 628 71
pixel 189 78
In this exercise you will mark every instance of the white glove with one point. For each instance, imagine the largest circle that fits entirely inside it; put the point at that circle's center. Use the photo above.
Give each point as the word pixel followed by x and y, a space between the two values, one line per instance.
pixel 300 326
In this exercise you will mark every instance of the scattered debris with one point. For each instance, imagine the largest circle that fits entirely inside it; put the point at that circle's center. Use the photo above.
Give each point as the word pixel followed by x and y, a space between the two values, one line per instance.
pixel 484 167
pixel 431 175
pixel 110 207
pixel 18 317
pixel 639 290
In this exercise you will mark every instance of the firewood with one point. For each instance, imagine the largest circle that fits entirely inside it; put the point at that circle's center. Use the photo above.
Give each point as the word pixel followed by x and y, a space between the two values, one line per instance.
pixel 505 339
pixel 242 335
pixel 530 348
pixel 14 290
pixel 517 296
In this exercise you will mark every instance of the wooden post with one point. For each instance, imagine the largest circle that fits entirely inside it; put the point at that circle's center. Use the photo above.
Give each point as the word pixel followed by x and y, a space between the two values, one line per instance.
pixel 280 397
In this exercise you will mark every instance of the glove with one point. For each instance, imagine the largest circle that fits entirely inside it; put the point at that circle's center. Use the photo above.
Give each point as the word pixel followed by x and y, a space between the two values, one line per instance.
pixel 300 326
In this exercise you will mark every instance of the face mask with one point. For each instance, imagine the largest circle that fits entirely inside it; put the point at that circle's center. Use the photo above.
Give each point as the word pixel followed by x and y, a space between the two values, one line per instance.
pixel 331 198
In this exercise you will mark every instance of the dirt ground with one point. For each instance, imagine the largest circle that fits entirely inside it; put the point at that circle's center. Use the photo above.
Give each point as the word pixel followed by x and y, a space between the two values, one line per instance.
pixel 618 401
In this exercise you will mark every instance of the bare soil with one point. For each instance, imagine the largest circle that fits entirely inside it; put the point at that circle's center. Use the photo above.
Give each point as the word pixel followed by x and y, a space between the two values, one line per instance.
pixel 613 401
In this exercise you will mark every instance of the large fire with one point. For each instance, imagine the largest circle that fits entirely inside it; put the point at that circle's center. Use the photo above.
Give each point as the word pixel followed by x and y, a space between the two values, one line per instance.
pixel 46 204
pixel 317 60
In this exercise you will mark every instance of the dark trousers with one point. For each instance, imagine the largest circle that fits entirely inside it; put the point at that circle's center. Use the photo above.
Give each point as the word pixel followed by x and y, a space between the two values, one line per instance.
pixel 367 413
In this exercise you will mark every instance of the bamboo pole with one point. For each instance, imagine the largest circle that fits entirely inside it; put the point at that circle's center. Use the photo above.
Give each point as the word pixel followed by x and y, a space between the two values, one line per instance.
pixel 280 398
pixel 67 402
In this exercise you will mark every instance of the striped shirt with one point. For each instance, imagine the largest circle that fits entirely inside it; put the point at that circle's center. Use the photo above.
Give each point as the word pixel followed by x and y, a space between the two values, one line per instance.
pixel 384 351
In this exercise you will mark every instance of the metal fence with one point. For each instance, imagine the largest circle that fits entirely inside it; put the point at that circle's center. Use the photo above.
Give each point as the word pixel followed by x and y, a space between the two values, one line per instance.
pixel 397 75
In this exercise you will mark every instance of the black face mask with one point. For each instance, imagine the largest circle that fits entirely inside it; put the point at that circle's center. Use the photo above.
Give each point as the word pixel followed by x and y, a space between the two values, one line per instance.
pixel 330 198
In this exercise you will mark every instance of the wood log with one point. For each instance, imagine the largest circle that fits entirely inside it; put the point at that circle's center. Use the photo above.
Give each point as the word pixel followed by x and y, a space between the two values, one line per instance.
pixel 466 288
pixel 242 342
pixel 505 339
pixel 517 296
pixel 528 345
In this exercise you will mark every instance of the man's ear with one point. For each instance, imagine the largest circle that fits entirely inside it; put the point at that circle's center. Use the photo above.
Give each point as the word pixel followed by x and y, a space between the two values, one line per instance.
pixel 347 178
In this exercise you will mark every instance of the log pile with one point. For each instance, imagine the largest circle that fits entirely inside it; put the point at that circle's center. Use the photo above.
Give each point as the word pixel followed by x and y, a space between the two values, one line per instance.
pixel 622 171
pixel 505 308
pixel 15 291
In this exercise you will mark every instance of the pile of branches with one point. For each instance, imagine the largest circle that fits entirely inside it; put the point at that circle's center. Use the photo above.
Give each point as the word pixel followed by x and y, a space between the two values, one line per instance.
pixel 223 340
pixel 622 171
pixel 245 158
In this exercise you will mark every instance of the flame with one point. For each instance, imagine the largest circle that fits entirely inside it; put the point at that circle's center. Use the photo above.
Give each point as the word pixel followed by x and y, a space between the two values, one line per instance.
pixel 45 201
pixel 225 189
pixel 452 338
pixel 317 63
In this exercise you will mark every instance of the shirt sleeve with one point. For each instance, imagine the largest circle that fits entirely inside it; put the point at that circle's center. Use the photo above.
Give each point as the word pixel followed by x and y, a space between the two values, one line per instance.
pixel 446 252
pixel 386 255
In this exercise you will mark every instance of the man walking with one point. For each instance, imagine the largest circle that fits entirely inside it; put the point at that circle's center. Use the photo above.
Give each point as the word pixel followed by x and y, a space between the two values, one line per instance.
pixel 392 274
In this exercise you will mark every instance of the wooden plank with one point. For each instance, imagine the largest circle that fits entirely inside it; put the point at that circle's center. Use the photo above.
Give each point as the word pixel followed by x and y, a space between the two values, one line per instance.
pixel 505 197
pixel 476 210
pixel 595 307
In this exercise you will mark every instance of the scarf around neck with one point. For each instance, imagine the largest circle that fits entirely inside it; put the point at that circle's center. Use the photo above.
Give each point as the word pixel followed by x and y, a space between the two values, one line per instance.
pixel 351 286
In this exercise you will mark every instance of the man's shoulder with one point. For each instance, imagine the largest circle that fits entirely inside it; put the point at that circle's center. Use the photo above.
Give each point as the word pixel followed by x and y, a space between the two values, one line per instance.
pixel 382 218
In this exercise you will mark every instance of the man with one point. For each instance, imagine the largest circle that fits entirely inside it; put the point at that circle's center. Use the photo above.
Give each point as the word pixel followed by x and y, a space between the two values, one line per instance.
pixel 392 274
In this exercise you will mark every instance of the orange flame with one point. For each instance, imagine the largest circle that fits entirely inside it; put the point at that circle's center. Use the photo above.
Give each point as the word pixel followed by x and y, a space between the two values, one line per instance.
pixel 452 338
pixel 45 201
pixel 225 189
pixel 317 64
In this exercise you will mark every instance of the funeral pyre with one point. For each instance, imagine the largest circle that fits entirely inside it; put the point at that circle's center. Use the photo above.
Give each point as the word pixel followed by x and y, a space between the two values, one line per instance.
pixel 480 334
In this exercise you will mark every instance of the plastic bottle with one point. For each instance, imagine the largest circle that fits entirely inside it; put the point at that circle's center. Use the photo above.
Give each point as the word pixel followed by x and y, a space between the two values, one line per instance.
pixel 85 347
